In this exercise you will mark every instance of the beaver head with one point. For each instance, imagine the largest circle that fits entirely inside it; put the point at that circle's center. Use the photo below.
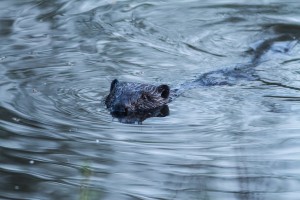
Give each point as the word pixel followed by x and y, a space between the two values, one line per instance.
pixel 134 97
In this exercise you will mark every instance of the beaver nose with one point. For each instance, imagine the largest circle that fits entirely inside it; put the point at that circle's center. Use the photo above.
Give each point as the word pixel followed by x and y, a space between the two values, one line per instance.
pixel 119 108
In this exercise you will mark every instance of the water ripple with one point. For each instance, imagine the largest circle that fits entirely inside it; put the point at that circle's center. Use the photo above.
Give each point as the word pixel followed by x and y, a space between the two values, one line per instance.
pixel 58 141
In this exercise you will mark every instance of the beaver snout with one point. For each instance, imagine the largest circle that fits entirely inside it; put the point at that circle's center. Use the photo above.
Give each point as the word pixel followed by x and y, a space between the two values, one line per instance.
pixel 119 108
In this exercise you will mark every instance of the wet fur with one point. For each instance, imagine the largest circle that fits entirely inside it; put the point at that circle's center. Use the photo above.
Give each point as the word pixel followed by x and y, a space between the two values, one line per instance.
pixel 135 97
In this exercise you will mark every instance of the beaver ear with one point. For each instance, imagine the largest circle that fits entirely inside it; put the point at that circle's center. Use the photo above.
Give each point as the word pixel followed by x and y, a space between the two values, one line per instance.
pixel 164 90
pixel 113 84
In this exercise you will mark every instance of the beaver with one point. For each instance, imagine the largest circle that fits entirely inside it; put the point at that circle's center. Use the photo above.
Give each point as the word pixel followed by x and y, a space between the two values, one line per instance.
pixel 127 97
pixel 138 101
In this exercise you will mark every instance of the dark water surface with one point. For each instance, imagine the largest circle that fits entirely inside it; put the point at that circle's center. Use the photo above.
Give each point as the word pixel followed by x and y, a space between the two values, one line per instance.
pixel 58 141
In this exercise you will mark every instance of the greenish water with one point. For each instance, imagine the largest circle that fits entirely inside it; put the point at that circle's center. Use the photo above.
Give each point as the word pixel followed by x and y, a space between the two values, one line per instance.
pixel 58 141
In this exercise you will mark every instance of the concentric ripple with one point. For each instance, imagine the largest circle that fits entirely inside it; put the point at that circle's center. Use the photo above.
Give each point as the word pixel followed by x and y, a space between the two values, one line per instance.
pixel 58 141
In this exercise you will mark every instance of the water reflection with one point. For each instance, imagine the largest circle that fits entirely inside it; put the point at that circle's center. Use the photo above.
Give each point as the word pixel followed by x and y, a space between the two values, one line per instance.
pixel 139 117
pixel 58 141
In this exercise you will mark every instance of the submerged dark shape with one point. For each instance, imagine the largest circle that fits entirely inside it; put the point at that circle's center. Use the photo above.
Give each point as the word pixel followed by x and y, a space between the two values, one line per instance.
pixel 139 117
pixel 134 102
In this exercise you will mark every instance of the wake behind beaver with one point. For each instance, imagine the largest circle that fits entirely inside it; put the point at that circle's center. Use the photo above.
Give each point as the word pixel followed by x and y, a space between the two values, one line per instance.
pixel 134 102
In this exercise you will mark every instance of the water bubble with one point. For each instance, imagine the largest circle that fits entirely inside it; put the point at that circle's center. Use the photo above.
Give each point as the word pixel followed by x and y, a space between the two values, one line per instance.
pixel 73 129
pixel 17 187
pixel 31 162
pixel 70 63
pixel 16 119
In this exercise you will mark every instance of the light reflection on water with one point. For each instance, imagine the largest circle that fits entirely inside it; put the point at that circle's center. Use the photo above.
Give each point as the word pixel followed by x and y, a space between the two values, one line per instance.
pixel 57 59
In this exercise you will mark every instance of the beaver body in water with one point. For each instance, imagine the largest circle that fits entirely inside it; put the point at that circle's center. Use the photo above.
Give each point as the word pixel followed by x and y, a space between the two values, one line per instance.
pixel 134 102
pixel 137 97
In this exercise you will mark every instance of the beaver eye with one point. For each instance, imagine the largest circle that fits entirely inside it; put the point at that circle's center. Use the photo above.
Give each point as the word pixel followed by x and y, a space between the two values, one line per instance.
pixel 146 97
